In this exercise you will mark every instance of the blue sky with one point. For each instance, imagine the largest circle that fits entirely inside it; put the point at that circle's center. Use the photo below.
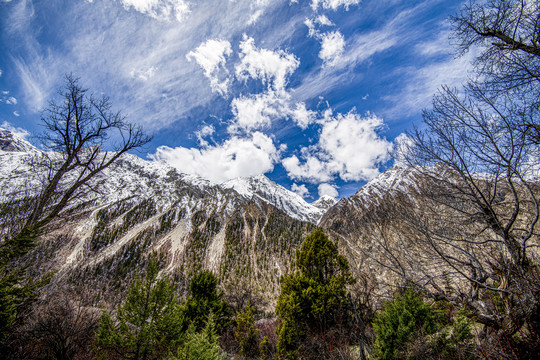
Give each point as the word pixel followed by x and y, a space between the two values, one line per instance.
pixel 312 93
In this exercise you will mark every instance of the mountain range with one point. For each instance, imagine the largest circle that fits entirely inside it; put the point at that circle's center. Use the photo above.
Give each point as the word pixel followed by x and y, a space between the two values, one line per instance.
pixel 246 230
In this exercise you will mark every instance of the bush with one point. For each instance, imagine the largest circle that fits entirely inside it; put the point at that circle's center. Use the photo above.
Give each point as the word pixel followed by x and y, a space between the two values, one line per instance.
pixel 402 321
pixel 147 325
pixel 205 299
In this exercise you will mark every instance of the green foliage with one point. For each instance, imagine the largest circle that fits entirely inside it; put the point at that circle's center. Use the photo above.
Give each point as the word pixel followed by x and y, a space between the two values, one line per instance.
pixel 452 341
pixel 205 299
pixel 314 298
pixel 400 321
pixel 246 334
pixel 15 287
pixel 203 345
pixel 147 325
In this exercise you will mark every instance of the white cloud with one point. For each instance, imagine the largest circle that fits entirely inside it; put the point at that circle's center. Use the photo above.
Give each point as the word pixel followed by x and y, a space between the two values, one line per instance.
pixel 145 74
pixel 11 100
pixel 302 116
pixel 311 27
pixel 272 67
pixel 332 46
pixel 327 189
pixel 348 147
pixel 333 4
pixel 236 157
pixel 323 20
pixel 403 146
pixel 160 9
pixel 212 57
pixel 205 131
pixel 312 170
pixel 256 111
pixel 300 190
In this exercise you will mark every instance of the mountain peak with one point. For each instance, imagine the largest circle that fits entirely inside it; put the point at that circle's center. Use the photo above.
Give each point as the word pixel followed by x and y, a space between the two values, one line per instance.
pixel 325 202
pixel 261 187
pixel 10 141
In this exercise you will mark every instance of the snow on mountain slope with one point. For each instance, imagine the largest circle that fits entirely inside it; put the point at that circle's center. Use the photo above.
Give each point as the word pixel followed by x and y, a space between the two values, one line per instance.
pixel 399 178
pixel 132 176
pixel 13 142
pixel 325 202
pixel 263 188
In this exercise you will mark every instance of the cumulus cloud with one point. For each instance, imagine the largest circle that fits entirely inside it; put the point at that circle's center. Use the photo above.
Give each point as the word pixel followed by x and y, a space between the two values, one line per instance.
pixel 300 190
pixel 332 46
pixel 212 57
pixel 332 43
pixel 236 157
pixel 160 9
pixel 333 4
pixel 302 116
pixel 328 190
pixel 256 111
pixel 272 67
pixel 403 147
pixel 205 131
pixel 348 147
pixel 323 20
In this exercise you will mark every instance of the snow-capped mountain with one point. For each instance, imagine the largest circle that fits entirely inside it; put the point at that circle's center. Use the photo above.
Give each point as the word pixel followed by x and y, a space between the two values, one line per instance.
pixel 13 142
pixel 325 202
pixel 132 176
pixel 263 188
pixel 246 230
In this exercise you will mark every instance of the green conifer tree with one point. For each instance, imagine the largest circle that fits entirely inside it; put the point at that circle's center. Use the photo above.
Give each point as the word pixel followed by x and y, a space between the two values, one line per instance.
pixel 314 298
pixel 205 299
pixel 148 324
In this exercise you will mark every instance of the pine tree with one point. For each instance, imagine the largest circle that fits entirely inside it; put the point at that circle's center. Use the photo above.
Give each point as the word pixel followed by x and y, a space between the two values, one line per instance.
pixel 149 323
pixel 246 333
pixel 314 298
pixel 206 299
pixel 202 345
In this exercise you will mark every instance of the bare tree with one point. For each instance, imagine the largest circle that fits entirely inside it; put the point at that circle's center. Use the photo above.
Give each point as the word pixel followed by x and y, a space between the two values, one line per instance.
pixel 61 325
pixel 75 129
pixel 469 232
pixel 507 33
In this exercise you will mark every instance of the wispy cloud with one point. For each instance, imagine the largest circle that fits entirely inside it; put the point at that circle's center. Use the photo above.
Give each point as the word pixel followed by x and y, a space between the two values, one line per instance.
pixel 160 9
